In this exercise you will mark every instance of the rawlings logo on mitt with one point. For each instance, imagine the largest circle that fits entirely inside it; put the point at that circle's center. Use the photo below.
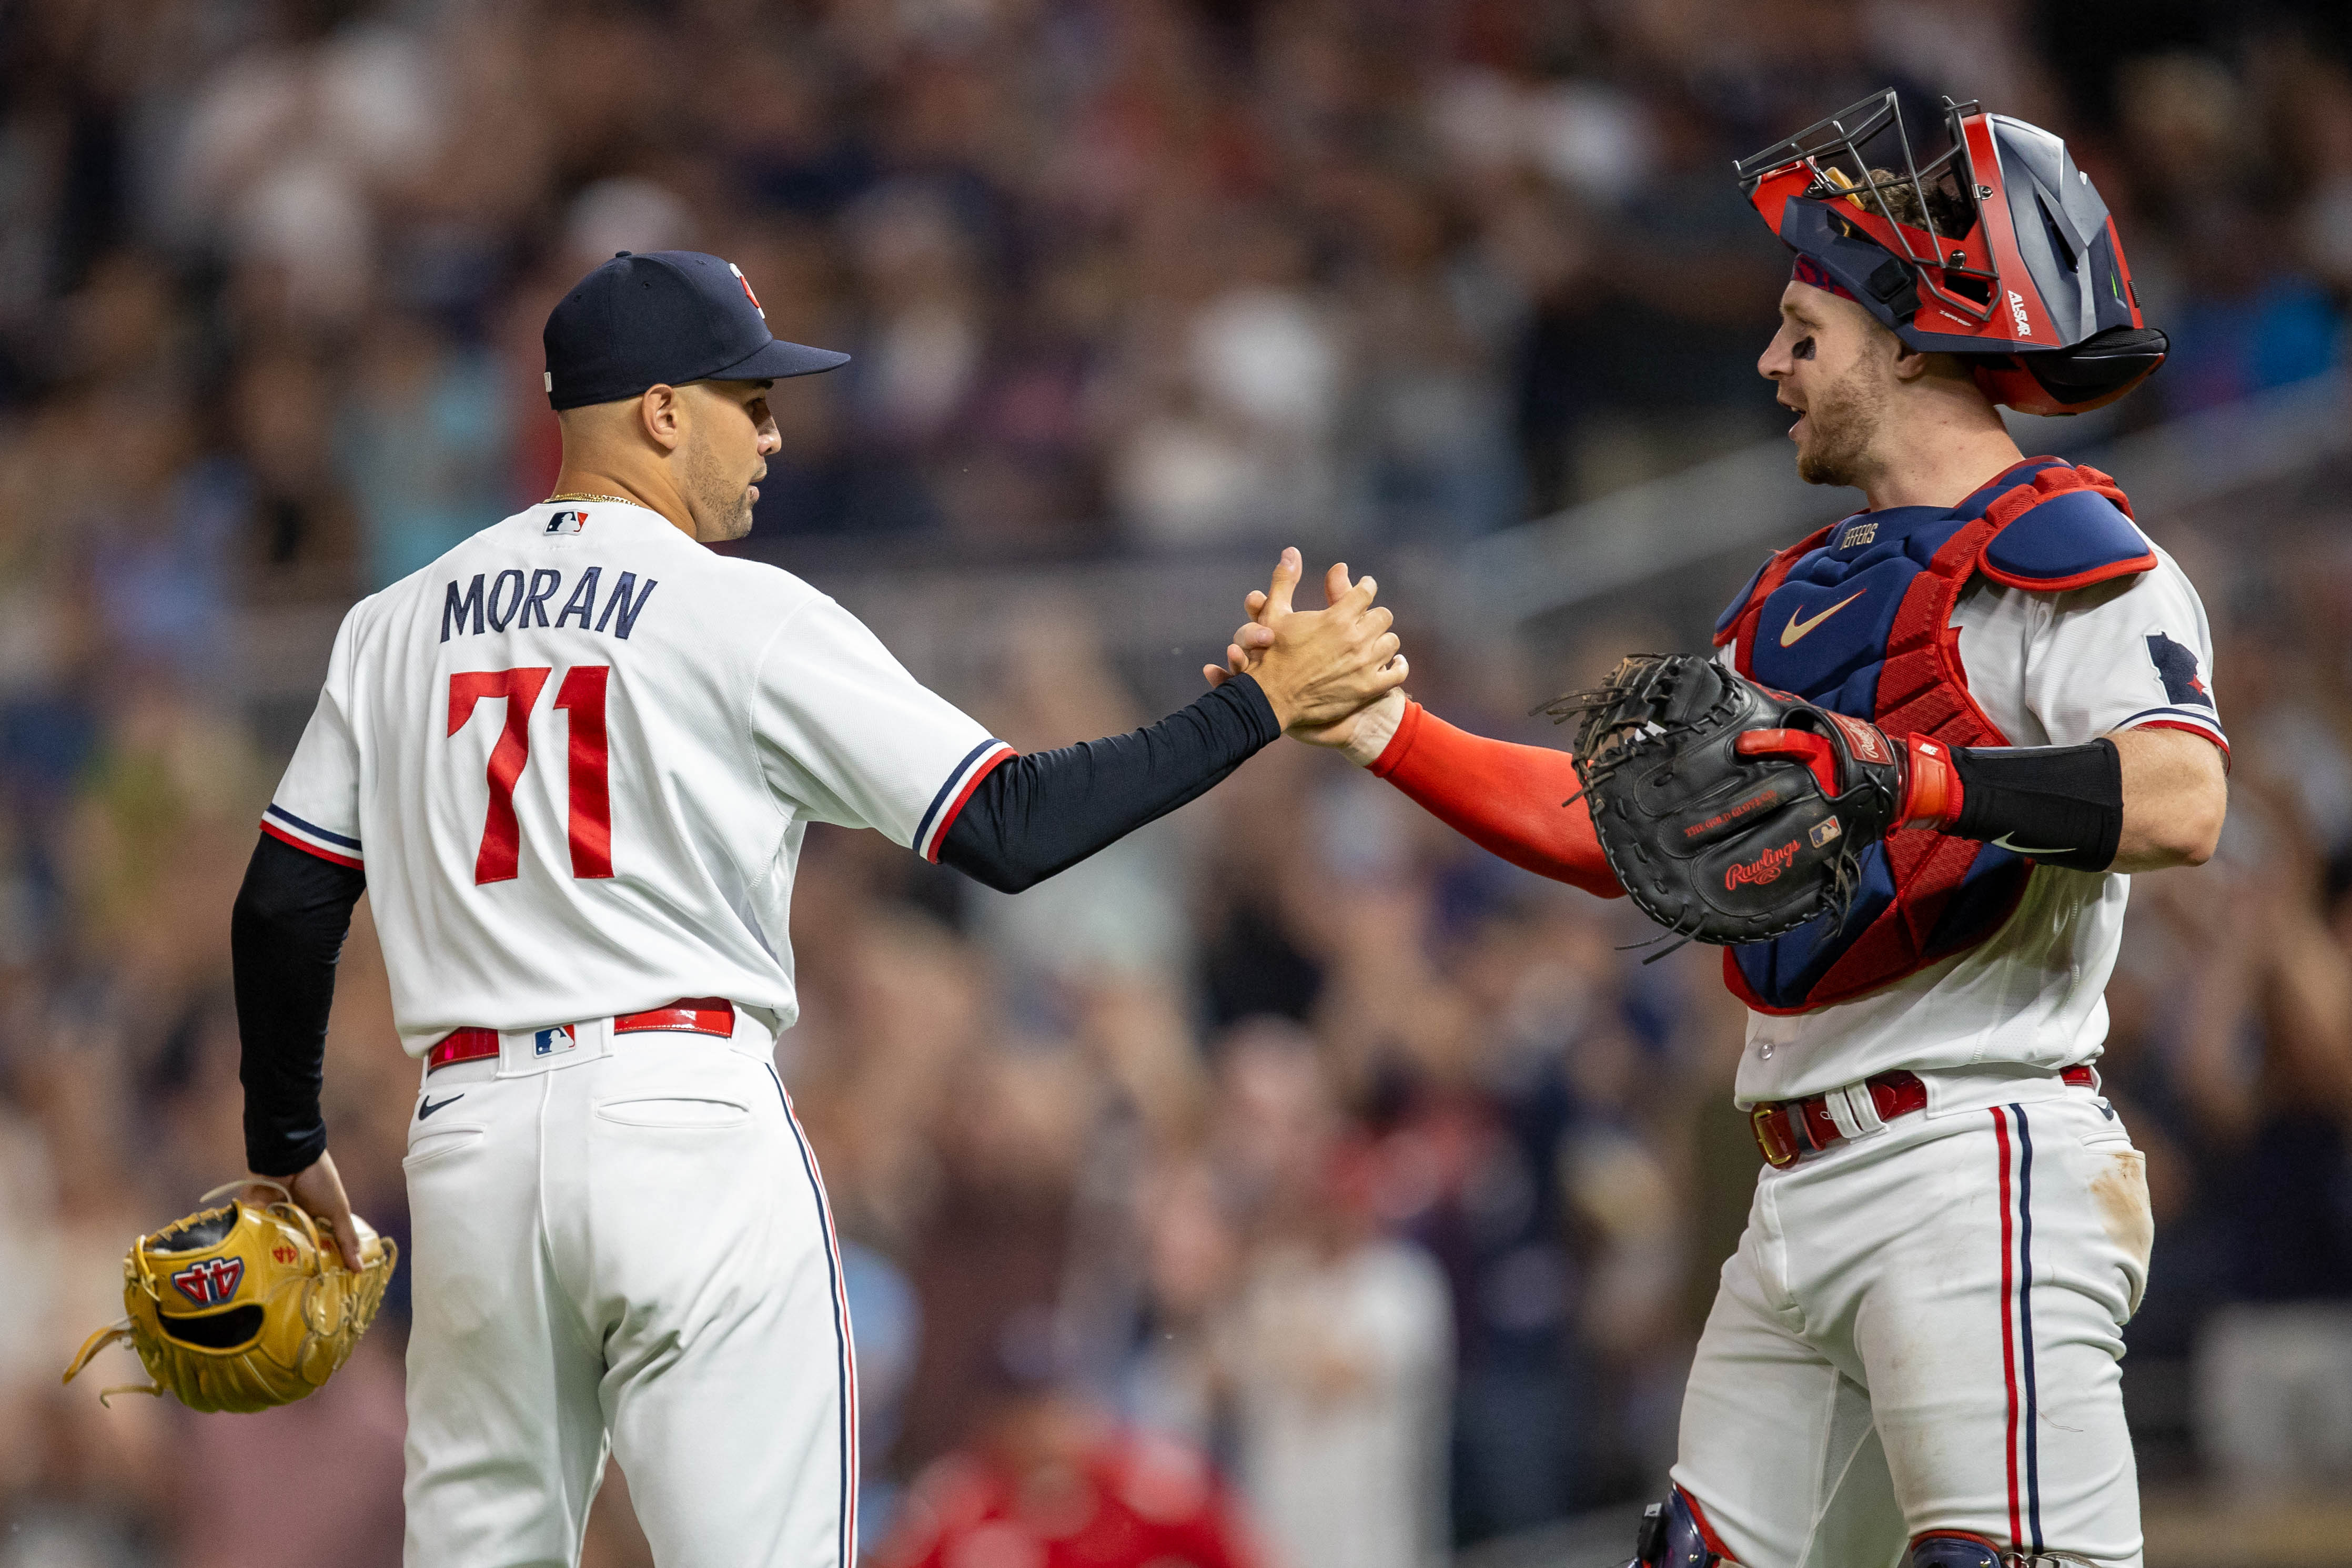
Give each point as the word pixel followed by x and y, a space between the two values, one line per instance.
pixel 1730 813
pixel 238 1308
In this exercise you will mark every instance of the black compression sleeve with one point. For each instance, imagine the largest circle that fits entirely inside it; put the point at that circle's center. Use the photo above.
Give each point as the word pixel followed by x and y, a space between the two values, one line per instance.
pixel 1040 814
pixel 2064 805
pixel 285 936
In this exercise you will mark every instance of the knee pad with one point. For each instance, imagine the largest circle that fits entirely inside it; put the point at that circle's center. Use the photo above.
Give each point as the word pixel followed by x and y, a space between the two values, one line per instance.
pixel 1671 1537
pixel 1952 1549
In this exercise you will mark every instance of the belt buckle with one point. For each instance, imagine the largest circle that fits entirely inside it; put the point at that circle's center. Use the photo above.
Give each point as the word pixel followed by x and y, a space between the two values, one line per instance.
pixel 1771 1130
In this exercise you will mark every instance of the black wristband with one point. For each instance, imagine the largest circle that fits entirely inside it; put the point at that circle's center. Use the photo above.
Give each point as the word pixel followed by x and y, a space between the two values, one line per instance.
pixel 2062 805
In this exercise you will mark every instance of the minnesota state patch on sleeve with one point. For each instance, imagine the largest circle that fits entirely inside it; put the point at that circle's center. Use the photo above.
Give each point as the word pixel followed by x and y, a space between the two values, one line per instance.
pixel 2176 666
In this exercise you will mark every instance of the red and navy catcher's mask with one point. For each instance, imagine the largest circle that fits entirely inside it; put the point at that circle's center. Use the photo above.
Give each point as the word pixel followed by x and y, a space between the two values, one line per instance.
pixel 1999 249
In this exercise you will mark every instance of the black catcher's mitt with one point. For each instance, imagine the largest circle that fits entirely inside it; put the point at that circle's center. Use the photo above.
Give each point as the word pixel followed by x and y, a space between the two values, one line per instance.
pixel 1729 812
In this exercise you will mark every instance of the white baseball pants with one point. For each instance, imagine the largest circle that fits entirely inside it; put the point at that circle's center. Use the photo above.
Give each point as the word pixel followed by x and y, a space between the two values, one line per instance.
pixel 629 1249
pixel 1920 1332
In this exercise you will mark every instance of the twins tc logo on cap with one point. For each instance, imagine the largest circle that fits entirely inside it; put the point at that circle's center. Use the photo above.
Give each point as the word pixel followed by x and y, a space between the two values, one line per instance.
pixel 747 290
pixel 566 523
pixel 212 1281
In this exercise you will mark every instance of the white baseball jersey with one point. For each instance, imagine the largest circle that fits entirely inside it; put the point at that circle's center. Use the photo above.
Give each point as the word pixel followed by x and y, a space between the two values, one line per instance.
pixel 2049 669
pixel 576 757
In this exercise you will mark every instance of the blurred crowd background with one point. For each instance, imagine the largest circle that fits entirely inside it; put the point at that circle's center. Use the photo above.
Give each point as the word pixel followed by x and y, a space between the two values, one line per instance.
pixel 1294 1184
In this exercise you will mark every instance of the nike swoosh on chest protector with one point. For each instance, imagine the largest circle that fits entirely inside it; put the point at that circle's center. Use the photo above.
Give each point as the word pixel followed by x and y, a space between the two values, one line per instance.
pixel 1796 629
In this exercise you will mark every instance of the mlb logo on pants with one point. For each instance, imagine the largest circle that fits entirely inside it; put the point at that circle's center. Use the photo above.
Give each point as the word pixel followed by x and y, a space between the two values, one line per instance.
pixel 550 1041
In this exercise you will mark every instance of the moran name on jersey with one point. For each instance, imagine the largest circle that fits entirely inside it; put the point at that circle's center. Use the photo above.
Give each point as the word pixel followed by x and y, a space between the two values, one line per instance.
pixel 511 603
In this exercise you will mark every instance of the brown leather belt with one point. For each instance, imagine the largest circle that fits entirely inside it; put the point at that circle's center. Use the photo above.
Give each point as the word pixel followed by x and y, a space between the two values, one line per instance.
pixel 1788 1130
pixel 688 1015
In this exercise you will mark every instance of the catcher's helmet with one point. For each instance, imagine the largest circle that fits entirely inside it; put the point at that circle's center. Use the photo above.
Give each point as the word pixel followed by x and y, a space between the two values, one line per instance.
pixel 1998 249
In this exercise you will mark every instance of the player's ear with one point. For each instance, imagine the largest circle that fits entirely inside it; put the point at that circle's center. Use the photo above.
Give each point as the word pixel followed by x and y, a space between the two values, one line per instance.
pixel 661 411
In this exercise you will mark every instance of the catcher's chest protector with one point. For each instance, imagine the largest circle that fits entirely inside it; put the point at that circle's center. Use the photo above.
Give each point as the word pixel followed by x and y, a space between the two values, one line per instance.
pixel 1857 618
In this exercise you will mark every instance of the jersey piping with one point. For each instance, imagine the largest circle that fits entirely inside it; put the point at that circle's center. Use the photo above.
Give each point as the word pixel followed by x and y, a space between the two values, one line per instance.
pixel 2172 716
pixel 982 760
pixel 284 825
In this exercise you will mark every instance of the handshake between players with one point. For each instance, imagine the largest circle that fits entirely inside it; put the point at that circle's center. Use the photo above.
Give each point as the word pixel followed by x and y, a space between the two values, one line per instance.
pixel 1321 669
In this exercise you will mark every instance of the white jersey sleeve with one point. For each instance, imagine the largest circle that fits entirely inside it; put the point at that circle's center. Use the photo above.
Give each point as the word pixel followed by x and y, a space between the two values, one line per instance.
pixel 317 805
pixel 2134 653
pixel 848 736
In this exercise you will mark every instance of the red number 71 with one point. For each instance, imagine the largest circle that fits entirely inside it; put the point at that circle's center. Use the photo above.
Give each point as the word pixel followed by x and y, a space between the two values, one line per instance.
pixel 581 696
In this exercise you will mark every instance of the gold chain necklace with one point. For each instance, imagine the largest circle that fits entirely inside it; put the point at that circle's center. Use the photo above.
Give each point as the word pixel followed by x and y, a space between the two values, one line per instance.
pixel 622 500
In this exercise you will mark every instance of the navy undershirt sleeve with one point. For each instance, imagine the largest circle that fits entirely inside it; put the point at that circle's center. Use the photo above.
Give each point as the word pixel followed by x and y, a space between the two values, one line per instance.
pixel 285 936
pixel 1035 815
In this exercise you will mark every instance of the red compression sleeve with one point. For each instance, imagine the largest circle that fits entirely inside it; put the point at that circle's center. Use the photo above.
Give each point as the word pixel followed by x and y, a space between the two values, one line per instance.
pixel 1501 797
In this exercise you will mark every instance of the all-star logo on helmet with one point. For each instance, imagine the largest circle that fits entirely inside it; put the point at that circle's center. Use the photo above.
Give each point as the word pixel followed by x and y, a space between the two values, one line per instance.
pixel 1997 248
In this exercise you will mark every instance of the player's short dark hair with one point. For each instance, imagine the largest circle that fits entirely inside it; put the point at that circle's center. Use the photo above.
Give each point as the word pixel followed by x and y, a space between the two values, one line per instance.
pixel 1947 215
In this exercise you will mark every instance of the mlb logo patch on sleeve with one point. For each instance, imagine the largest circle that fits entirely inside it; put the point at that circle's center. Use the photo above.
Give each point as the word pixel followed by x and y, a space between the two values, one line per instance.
pixel 566 523
pixel 2176 665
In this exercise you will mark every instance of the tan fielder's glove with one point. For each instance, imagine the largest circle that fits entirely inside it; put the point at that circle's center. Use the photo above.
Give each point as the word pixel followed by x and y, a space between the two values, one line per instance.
pixel 239 1308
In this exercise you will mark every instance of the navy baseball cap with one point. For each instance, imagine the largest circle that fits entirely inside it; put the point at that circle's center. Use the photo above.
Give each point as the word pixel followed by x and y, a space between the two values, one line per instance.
pixel 667 317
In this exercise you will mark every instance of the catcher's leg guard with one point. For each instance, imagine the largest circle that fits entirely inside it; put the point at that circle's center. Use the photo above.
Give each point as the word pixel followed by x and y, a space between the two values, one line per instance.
pixel 1952 1549
pixel 1671 1537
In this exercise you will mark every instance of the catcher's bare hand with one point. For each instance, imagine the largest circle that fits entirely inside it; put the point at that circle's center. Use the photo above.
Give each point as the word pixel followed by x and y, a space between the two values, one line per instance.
pixel 1363 726
pixel 1319 667
pixel 318 1192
